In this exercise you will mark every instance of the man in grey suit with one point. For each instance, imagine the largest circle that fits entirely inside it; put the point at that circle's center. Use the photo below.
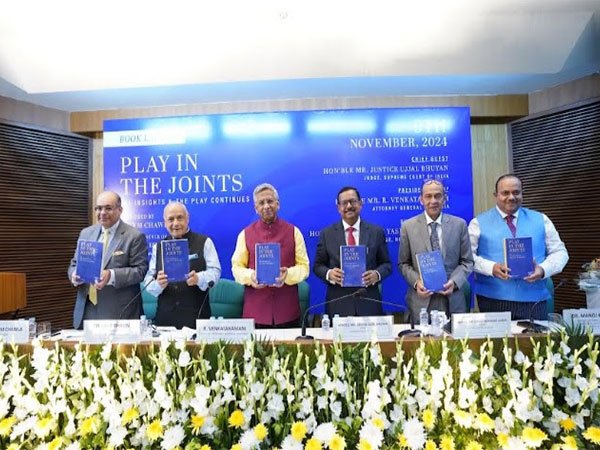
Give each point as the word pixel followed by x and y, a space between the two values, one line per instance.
pixel 429 231
pixel 352 230
pixel 124 266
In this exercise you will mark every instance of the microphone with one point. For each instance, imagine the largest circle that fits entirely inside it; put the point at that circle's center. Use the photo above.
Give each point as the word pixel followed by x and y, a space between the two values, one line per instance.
pixel 129 303
pixel 411 332
pixel 531 326
pixel 356 293
pixel 211 283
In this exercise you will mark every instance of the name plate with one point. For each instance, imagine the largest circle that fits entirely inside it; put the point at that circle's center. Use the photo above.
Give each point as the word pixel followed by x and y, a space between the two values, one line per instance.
pixel 100 331
pixel 228 330
pixel 362 329
pixel 481 325
pixel 587 318
pixel 16 331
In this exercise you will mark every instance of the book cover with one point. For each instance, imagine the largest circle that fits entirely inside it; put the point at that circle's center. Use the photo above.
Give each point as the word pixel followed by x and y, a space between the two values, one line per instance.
pixel 176 259
pixel 267 262
pixel 89 260
pixel 432 270
pixel 353 261
pixel 518 256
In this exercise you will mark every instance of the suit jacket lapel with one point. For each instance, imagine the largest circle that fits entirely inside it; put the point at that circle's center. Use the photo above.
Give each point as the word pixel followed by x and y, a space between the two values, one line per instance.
pixel 424 232
pixel 113 244
pixel 446 230
pixel 364 234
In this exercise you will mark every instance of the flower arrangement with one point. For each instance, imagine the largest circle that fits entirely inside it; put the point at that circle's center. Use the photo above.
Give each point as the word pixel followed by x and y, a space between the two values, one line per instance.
pixel 590 278
pixel 174 396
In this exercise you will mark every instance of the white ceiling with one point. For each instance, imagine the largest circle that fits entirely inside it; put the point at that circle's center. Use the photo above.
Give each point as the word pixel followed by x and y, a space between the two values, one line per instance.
pixel 82 55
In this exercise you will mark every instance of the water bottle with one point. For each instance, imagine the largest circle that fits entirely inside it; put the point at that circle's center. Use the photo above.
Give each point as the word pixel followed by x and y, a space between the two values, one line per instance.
pixel 32 328
pixel 325 323
pixel 436 323
pixel 143 326
pixel 424 320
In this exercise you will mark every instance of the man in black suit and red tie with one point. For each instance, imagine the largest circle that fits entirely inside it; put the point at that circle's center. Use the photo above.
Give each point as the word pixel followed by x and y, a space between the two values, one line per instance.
pixel 352 230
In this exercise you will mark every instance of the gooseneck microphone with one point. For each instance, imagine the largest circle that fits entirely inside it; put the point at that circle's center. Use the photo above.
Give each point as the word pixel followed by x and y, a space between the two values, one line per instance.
pixel 211 283
pixel 129 303
pixel 531 326
pixel 357 293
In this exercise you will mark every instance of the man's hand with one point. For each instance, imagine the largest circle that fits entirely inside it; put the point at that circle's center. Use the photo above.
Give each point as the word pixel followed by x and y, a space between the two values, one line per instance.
pixel 422 290
pixel 162 279
pixel 192 279
pixel 537 274
pixel 501 271
pixel 448 288
pixel 75 280
pixel 104 278
pixel 336 275
pixel 283 271
pixel 254 282
pixel 369 278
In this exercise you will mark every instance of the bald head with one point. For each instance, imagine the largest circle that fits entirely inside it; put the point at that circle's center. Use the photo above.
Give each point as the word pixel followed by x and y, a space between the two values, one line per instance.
pixel 108 209
pixel 177 219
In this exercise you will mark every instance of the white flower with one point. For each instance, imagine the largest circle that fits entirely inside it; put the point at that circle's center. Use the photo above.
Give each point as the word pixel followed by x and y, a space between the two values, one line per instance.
pixel 414 433
pixel 117 436
pixel 249 440
pixel 321 402
pixel 336 409
pixel 184 358
pixel 371 434
pixel 226 380
pixel 466 397
pixel 173 437
pixel 325 432
pixel 375 353
pixel 74 446
pixel 515 443
pixel 289 443
pixel 572 396
pixel 257 390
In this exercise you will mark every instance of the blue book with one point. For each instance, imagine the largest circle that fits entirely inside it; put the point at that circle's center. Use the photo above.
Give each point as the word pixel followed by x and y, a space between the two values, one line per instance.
pixel 518 256
pixel 89 260
pixel 176 259
pixel 432 270
pixel 353 261
pixel 267 262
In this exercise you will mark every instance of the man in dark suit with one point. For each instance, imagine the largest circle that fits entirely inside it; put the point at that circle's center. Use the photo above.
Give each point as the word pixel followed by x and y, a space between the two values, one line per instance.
pixel 124 266
pixel 351 230
pixel 429 231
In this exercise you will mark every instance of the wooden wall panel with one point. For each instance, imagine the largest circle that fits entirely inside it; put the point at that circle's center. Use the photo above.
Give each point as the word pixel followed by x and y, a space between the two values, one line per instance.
pixel 565 94
pixel 44 187
pixel 557 156
pixel 23 112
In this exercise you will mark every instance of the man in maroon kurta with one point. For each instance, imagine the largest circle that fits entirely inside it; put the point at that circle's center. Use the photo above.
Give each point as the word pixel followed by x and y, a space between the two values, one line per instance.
pixel 278 304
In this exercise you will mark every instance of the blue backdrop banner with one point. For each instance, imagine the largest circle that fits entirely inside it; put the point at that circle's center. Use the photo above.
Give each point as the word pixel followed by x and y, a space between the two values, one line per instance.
pixel 213 163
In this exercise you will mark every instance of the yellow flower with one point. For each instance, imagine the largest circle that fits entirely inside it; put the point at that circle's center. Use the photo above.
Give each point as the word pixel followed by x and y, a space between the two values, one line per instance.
pixel 298 431
pixel 197 422
pixel 313 444
pixel 129 416
pixel 337 443
pixel 378 422
pixel 430 445
pixel 447 443
pixel 364 445
pixel 473 445
pixel 428 419
pixel 569 443
pixel 13 447
pixel 260 431
pixel 592 434
pixel 55 443
pixel 502 439
pixel 205 447
pixel 236 447
pixel 484 422
pixel 402 442
pixel 89 425
pixel 533 437
pixel 154 430
pixel 567 424
pixel 6 425
pixel 236 419
pixel 463 418
pixel 43 427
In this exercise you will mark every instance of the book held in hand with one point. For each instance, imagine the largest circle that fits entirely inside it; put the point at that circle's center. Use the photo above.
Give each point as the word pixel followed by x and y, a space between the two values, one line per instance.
pixel 353 261
pixel 518 256
pixel 89 260
pixel 432 270
pixel 267 262
pixel 176 259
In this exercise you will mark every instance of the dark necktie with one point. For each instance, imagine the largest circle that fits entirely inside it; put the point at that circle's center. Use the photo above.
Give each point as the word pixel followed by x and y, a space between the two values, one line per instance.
pixel 511 225
pixel 351 240
pixel 435 239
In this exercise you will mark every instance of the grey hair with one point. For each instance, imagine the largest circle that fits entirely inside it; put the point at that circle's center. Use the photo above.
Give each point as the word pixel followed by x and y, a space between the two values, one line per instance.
pixel 263 187
pixel 176 203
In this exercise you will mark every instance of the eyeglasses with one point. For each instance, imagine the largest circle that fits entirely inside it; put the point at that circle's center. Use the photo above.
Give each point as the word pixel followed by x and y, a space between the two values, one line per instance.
pixel 106 208
pixel 351 202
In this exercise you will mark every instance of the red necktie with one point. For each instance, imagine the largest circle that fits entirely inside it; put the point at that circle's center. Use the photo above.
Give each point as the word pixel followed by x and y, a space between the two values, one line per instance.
pixel 351 240
pixel 511 225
